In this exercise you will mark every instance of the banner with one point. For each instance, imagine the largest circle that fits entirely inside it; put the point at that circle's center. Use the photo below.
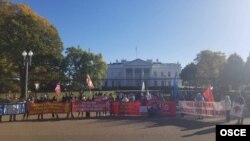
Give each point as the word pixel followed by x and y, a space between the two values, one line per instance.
pixel 115 107
pixel 211 109
pixel 12 108
pixel 90 106
pixel 167 108
pixel 237 110
pixel 128 108
pixel 45 108
pixel 1 109
pixel 144 109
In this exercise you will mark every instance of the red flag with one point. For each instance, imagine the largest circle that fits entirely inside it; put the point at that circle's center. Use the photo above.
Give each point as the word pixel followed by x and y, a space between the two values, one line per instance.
pixel 58 89
pixel 89 82
pixel 208 95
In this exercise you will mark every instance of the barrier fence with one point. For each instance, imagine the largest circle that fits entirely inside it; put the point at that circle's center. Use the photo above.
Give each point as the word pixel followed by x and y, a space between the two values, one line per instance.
pixel 115 108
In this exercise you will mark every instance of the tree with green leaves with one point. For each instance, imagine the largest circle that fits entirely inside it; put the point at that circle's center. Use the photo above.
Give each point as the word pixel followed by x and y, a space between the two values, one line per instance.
pixel 22 29
pixel 247 71
pixel 188 74
pixel 209 64
pixel 78 63
pixel 232 72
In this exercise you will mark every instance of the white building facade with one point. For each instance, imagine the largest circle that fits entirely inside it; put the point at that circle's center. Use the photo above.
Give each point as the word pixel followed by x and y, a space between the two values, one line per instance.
pixel 133 73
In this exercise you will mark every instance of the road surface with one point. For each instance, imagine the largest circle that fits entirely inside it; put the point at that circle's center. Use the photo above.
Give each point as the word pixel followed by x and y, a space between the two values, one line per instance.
pixel 111 129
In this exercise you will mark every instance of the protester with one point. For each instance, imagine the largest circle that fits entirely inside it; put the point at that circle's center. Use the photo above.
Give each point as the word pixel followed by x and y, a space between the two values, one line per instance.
pixel 148 96
pixel 26 114
pixel 69 101
pixel 240 100
pixel 55 114
pixel 133 97
pixel 97 98
pixel 88 113
pixel 125 99
pixel 199 99
pixel 111 100
pixel 105 98
pixel 12 117
pixel 152 111
pixel 227 107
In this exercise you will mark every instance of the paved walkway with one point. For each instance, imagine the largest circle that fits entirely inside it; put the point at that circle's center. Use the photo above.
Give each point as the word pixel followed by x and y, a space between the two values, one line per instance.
pixel 187 128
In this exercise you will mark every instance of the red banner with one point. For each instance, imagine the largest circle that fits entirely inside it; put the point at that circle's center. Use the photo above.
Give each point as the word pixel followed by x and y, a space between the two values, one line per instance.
pixel 90 106
pixel 167 108
pixel 115 107
pixel 129 108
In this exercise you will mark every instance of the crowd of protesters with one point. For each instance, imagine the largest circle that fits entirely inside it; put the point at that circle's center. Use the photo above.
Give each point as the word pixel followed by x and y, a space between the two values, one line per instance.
pixel 98 96
pixel 124 97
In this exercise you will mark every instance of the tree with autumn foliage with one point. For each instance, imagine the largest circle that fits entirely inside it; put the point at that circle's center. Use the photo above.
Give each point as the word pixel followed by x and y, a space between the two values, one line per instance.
pixel 22 29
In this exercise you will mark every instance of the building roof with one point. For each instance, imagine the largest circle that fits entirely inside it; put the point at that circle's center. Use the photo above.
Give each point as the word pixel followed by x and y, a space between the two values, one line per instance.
pixel 140 62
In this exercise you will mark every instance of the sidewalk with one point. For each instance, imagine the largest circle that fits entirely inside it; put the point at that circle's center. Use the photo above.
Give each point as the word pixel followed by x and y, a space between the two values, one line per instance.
pixel 215 120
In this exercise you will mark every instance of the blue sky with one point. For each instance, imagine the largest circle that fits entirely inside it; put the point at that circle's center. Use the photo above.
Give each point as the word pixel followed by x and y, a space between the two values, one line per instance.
pixel 169 30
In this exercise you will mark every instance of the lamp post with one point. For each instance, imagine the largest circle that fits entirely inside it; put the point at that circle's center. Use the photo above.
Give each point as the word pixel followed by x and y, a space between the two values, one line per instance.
pixel 27 61
pixel 37 85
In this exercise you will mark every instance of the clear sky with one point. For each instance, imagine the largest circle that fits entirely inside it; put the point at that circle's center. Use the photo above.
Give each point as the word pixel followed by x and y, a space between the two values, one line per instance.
pixel 169 30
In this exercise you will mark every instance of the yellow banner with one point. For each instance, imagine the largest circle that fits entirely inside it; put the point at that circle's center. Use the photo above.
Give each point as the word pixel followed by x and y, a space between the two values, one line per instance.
pixel 44 108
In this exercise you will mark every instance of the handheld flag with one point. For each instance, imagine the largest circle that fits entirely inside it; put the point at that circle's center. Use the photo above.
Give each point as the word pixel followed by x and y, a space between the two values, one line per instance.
pixel 175 89
pixel 142 88
pixel 208 95
pixel 89 82
pixel 58 89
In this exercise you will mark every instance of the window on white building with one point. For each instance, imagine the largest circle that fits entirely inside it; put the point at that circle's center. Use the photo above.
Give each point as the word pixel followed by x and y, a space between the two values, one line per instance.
pixel 155 74
pixel 119 84
pixel 155 83
pixel 169 83
pixel 169 74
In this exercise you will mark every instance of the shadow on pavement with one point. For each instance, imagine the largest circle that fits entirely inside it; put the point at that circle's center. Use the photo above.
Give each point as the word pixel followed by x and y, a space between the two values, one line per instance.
pixel 184 123
pixel 201 132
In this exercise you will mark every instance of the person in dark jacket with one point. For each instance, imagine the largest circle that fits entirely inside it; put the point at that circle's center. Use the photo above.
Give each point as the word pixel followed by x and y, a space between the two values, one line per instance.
pixel 240 100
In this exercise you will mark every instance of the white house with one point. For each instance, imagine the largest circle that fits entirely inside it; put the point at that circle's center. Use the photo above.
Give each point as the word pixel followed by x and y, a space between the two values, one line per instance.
pixel 133 73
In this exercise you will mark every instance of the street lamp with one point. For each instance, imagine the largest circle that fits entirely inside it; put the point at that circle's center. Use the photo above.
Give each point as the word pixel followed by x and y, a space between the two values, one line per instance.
pixel 37 85
pixel 27 61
